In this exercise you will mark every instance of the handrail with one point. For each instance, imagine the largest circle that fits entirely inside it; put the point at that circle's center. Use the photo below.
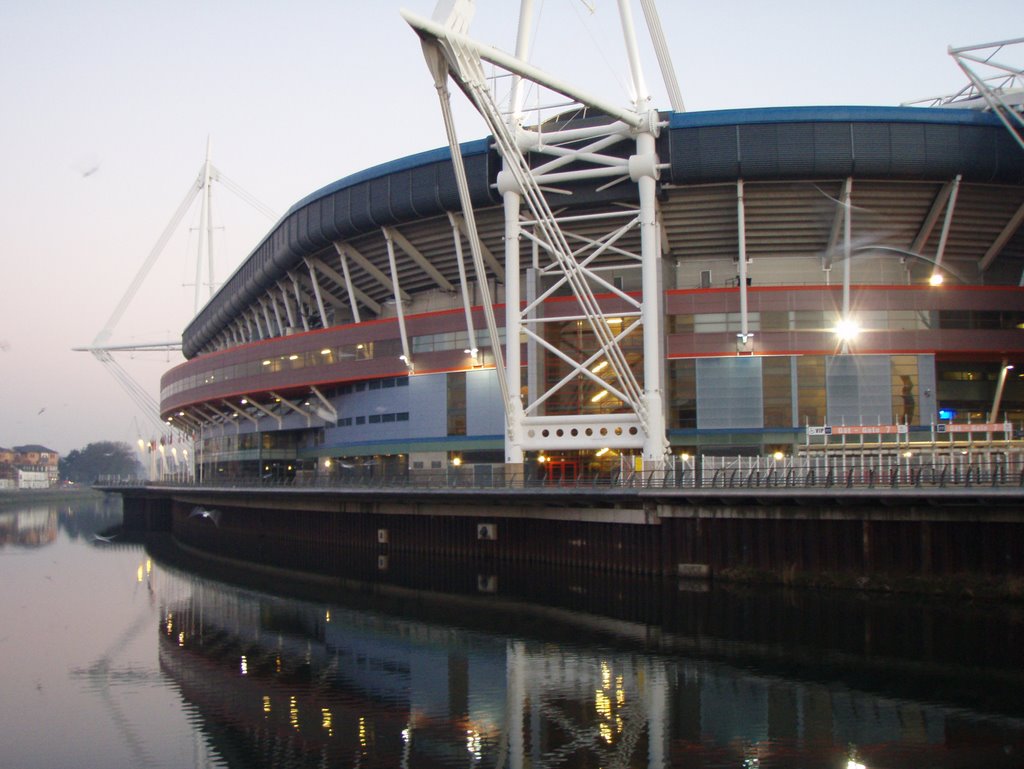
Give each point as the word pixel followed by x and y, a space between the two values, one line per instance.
pixel 1001 474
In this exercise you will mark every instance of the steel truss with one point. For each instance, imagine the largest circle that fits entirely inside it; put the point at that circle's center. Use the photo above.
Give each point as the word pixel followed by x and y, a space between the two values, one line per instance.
pixel 993 84
pixel 1002 91
pixel 545 164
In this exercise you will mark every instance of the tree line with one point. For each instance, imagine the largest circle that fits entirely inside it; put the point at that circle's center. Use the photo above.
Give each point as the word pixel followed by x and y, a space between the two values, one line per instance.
pixel 100 459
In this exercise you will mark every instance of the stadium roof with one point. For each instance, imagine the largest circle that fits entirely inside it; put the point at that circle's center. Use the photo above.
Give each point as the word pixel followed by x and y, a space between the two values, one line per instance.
pixel 795 159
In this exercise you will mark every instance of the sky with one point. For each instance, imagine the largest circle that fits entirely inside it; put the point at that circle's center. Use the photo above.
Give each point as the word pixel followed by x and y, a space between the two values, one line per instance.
pixel 107 107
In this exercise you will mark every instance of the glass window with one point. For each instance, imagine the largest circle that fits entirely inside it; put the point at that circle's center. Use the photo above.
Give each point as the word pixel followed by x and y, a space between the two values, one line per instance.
pixel 682 389
pixel 457 403
pixel 810 378
pixel 778 391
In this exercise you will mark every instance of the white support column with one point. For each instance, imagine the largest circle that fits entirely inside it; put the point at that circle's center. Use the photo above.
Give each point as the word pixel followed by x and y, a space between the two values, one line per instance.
pixel 317 294
pixel 241 412
pixel 513 329
pixel 256 321
pixel 417 256
pixel 294 407
pixel 741 230
pixel 277 313
pixel 641 96
pixel 287 305
pixel 217 414
pixel 399 310
pixel 846 321
pixel 205 230
pixel 661 51
pixel 263 410
pixel 1002 239
pixel 997 400
pixel 946 223
pixel 643 170
pixel 356 297
pixel 327 406
pixel 296 285
pixel 266 316
pixel 348 283
pixel 467 303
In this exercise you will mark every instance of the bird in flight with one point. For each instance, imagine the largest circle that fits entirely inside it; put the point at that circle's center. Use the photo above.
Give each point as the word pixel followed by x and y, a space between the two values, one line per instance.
pixel 202 512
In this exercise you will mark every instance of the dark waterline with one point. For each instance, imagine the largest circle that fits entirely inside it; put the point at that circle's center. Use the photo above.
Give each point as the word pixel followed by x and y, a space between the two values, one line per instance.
pixel 144 655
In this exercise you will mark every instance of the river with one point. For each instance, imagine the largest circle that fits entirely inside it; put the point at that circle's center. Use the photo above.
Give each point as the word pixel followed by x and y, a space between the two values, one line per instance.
pixel 122 653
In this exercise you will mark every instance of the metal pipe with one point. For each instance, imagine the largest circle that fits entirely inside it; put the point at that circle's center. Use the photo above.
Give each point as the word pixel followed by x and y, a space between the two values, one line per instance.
pixel 741 227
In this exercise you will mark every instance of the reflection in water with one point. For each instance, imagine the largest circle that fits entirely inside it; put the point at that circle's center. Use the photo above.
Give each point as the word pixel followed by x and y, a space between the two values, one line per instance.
pixel 409 663
pixel 394 677
pixel 29 527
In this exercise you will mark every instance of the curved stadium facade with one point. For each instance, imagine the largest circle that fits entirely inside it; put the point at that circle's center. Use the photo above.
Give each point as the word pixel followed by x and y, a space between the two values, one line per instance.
pixel 343 344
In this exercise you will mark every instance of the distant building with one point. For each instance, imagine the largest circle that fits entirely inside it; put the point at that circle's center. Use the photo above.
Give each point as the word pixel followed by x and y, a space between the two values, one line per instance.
pixel 8 472
pixel 31 466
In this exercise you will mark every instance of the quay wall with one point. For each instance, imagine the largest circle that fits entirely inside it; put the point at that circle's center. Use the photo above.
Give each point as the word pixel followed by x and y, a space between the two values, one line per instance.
pixel 853 535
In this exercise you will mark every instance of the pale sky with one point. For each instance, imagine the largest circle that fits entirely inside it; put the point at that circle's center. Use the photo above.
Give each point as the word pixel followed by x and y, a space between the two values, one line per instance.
pixel 107 106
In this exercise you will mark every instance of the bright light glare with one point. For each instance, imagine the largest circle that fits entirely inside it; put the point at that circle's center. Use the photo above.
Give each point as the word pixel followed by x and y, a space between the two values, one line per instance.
pixel 935 279
pixel 600 396
pixel 851 764
pixel 847 330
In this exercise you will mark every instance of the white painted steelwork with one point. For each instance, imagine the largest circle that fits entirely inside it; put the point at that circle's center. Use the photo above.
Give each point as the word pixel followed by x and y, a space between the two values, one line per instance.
pixel 993 83
pixel 585 156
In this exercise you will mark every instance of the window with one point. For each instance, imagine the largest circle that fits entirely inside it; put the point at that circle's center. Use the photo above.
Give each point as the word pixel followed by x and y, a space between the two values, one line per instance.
pixel 457 403
pixel 682 393
pixel 904 388
pixel 778 392
pixel 810 379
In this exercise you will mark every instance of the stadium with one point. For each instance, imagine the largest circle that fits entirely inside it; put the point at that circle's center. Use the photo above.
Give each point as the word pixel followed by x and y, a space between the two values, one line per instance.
pixel 821 279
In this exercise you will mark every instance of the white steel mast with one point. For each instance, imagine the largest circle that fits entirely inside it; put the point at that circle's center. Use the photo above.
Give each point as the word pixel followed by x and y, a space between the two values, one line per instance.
pixel 567 252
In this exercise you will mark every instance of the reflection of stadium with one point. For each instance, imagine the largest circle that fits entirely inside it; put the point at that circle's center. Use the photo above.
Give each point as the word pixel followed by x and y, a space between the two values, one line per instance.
pixel 286 681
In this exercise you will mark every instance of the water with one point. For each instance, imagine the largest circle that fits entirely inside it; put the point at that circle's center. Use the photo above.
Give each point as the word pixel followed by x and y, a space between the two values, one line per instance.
pixel 142 655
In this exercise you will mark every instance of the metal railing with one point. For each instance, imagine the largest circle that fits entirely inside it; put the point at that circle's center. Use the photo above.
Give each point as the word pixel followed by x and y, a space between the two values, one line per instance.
pixel 711 472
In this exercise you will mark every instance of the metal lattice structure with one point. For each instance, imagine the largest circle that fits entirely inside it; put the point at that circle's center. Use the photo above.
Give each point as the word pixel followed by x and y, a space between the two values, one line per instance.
pixel 544 159
pixel 993 83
